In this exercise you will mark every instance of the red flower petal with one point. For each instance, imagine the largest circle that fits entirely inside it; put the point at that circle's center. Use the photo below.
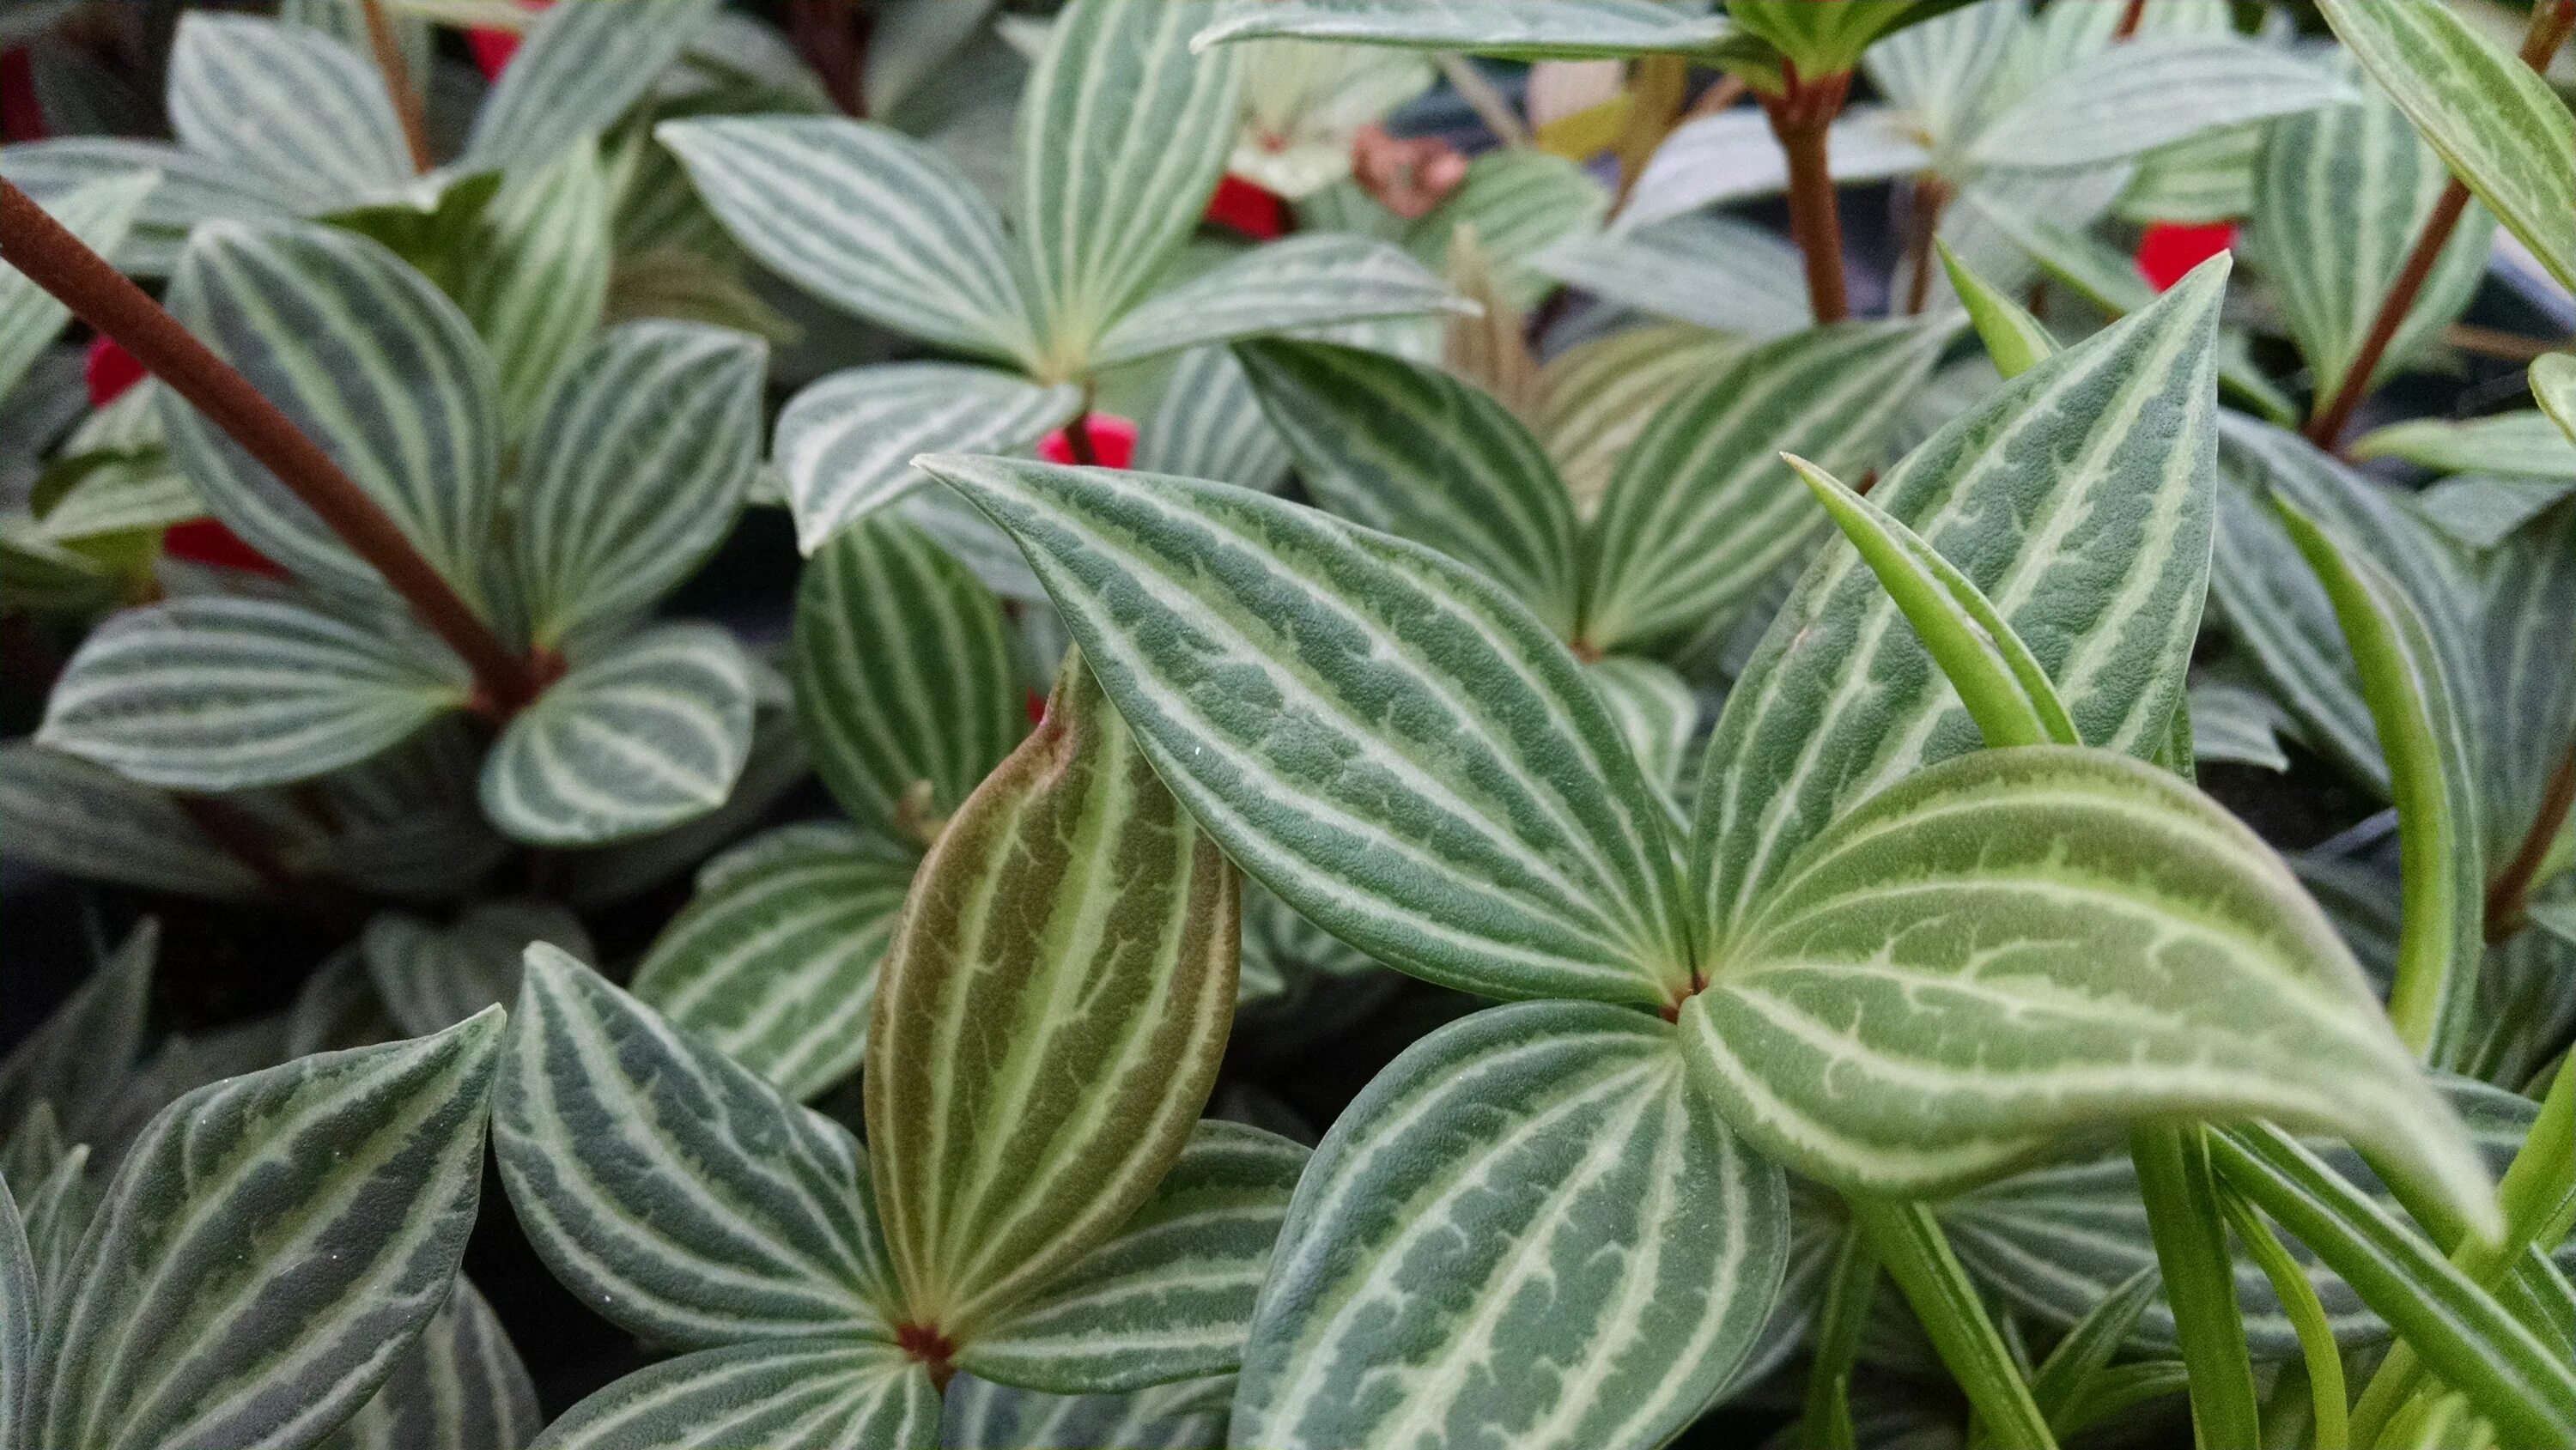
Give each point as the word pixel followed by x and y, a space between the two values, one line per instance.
pixel 22 115
pixel 109 371
pixel 1113 439
pixel 2169 250
pixel 1249 209
pixel 493 46
pixel 204 541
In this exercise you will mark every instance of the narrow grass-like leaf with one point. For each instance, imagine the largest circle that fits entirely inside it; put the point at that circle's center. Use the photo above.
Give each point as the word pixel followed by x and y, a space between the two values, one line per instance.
pixel 288 104
pixel 581 65
pixel 193 189
pixel 1528 1230
pixel 677 1193
pixel 1072 925
pixel 461 1386
pixel 100 213
pixel 1303 282
pixel 2014 339
pixel 846 442
pixel 74 1062
pixel 221 694
pixel 64 813
pixel 1513 29
pixel 1384 738
pixel 1189 1415
pixel 2130 98
pixel 540 274
pixel 270 1248
pixel 2071 1369
pixel 430 978
pixel 782 1394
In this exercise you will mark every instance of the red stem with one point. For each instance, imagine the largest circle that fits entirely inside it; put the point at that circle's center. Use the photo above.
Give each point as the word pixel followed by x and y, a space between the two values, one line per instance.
pixel 1077 440
pixel 1802 117
pixel 398 87
pixel 2509 895
pixel 2129 19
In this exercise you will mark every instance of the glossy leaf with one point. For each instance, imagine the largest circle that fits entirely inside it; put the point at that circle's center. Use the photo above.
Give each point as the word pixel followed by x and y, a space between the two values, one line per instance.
pixel 1320 280
pixel 579 67
pixel 778 1394
pixel 461 1385
pixel 540 275
pixel 100 213
pixel 430 978
pixel 288 104
pixel 846 442
pixel 1513 29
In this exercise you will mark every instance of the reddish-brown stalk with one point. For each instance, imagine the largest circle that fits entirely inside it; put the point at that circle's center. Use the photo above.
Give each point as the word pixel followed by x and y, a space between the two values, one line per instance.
pixel 398 86
pixel 2129 19
pixel 1802 117
pixel 2509 895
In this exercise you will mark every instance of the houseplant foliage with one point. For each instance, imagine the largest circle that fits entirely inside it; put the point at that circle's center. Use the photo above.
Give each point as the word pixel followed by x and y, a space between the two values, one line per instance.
pixel 1068 737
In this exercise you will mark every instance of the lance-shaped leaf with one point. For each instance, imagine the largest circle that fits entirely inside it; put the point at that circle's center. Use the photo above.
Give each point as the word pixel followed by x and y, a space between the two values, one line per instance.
pixel 373 362
pixel 1411 450
pixel 1380 735
pixel 2526 443
pixel 1719 272
pixel 75 1061
pixel 1171 1296
pixel 2078 499
pixel 430 977
pixel 1123 132
pixel 2013 338
pixel 288 104
pixel 1188 1415
pixel 865 218
pixel 2150 92
pixel 1303 282
pixel 218 694
pixel 270 1247
pixel 2499 127
pixel 1701 510
pixel 62 812
pixel 1073 925
pixel 1602 393
pixel 652 732
pixel 193 189
pixel 1526 1231
pixel 635 472
pixel 2528 712
pixel 2238 723
pixel 779 1394
pixel 18 1289
pixel 777 965
pixel 539 277
pixel 674 1191
pixel 1513 29
pixel 846 443
pixel 98 212
pixel 58 1212
pixel 2020 944
pixel 581 65
pixel 461 1385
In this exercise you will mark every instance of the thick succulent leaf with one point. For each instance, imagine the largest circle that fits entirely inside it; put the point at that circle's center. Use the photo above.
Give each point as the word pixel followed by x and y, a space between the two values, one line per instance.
pixel 846 442
pixel 75 1061
pixel 270 1248
pixel 865 218
pixel 2078 499
pixel 1073 924
pixel 1381 736
pixel 1209 424
pixel 905 676
pixel 431 977
pixel 63 813
pixel 1413 451
pixel 1718 272
pixel 100 213
pixel 635 471
pixel 1526 1231
pixel 2147 93
pixel 650 733
pixel 1732 156
pixel 373 362
pixel 2499 127
pixel 540 274
pixel 1701 510
pixel 1322 280
pixel 1513 29
pixel 777 965
pixel 1656 711
pixel 780 1394
pixel 288 104
pixel 1171 1296
pixel 192 189
pixel 217 694
pixel 461 1386
pixel 2020 944
pixel 18 1289
pixel 673 1190
pixel 581 65
pixel 1189 1415
pixel 1123 132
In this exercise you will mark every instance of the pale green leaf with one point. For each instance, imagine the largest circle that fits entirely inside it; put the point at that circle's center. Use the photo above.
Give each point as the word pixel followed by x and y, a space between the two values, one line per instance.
pixel 1514 29
pixel 1188 1415
pixel 580 66
pixel 2013 338
pixel 1519 202
pixel 779 1394
pixel 2482 510
pixel 1304 282
pixel 430 978
pixel 2201 180
pixel 1822 40
pixel 2526 443
pixel 2150 92
pixel 100 213
pixel 847 441
pixel 2239 724
pixel 193 189
pixel 1209 424
pixel 120 494
pixel 462 1385
pixel 287 104
pixel 1656 711
pixel 63 813
pixel 1718 272
pixel 650 733
pixel 2553 387
pixel 538 277
pixel 2527 715
pixel 1732 156
pixel 1601 393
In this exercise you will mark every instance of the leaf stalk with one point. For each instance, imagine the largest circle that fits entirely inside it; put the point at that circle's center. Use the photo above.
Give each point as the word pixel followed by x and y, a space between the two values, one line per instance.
pixel 1908 1240
pixel 398 85
pixel 2185 1220
pixel 1802 117
pixel 2508 905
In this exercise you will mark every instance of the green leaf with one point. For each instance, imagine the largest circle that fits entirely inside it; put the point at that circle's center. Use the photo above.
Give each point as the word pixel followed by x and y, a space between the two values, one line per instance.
pixel 1319 280
pixel 430 978
pixel 57 1214
pixel 2013 338
pixel 2553 387
pixel 114 495
pixel 906 680
pixel 1656 710
pixel 2527 443
pixel 779 1394
pixel 2528 713
pixel 193 189
pixel 2482 510
pixel 1072 925
pixel 287 104
pixel 63 813
pixel 2500 128
pixel 635 472
pixel 100 213
pixel 1209 424
pixel 650 733
pixel 73 1064
pixel 777 965
pixel 2239 724
pixel 1520 203
pixel 1410 450
pixel 2017 945
pixel 1732 156
pixel 18 1288
pixel 1822 40
pixel 581 65
pixel 1527 1230
pixel 675 1192
pixel 846 442
pixel 373 363
pixel 460 1385
pixel 1602 393
pixel 1719 272
pixel 1189 1415
pixel 1382 737
pixel 2074 1368
pixel 2078 499
pixel 2150 92
pixel 216 694
pixel 1512 29
pixel 539 274
pixel 865 218
pixel 270 1246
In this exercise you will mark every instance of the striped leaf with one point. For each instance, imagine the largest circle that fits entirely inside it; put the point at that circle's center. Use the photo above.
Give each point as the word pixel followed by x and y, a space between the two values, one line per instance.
pixel 777 964
pixel 1170 1297
pixel 2150 92
pixel 288 104
pixel 1415 452
pixel 846 442
pixel 2021 944
pixel 2528 712
pixel 2526 443
pixel 865 218
pixel 2482 510
pixel 1601 393
pixel 430 977
pixel 1189 1415
pixel 115 495
pixel 1719 272
pixel 2340 197
pixel 100 213
pixel 1701 510
pixel 2077 498
pixel 672 1189
pixel 216 694
pixel 75 1061
pixel 1526 1231
pixel 461 1386
pixel 2202 180
pixel 19 1286
pixel 780 1394
pixel 1382 737
pixel 373 363
pixel 2500 128
pixel 1822 40
pixel 63 813
pixel 58 1212
pixel 1071 925
pixel 193 189
pixel 581 65
pixel 1513 29
pixel 1656 711
pixel 650 733
pixel 1303 282
pixel 1732 156
pixel 1520 203
pixel 635 472
pixel 539 275
pixel 1209 424
pixel 905 677
pixel 1123 132
pixel 2238 724
pixel 271 1246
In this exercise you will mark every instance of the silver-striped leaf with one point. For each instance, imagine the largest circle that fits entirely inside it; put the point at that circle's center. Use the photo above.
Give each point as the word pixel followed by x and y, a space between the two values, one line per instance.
pixel 430 977
pixel 538 278
pixel 1383 737
pixel 63 813
pixel 1304 282
pixel 1188 1415
pixel 2528 710
pixel 1601 393
pixel 778 765
pixel 670 1188
pixel 288 104
pixel 193 189
pixel 218 694
pixel 1526 1231
pixel 1719 272
pixel 1732 156
pixel 1072 924
pixel 777 1394
pixel 846 441
pixel 1520 202
pixel 1512 29
pixel 1209 424
pixel 581 65
pixel 99 212
pixel 651 732
pixel 1822 40
pixel 271 1246
pixel 72 1065
pixel 462 1387
pixel 2150 92
pixel 1656 710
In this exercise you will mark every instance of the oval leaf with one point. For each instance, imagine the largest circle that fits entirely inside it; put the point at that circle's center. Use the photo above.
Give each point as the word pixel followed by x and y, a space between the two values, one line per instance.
pixel 795 1394
pixel 580 66
pixel 846 442
pixel 288 104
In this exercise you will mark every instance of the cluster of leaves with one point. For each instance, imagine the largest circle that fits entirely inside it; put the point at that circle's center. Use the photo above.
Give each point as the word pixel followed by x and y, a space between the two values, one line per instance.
pixel 1785 727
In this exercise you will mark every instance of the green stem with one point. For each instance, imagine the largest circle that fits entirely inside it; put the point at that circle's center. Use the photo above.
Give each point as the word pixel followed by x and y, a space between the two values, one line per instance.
pixel 1909 1242
pixel 2307 1318
pixel 1828 1422
pixel 2191 1250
